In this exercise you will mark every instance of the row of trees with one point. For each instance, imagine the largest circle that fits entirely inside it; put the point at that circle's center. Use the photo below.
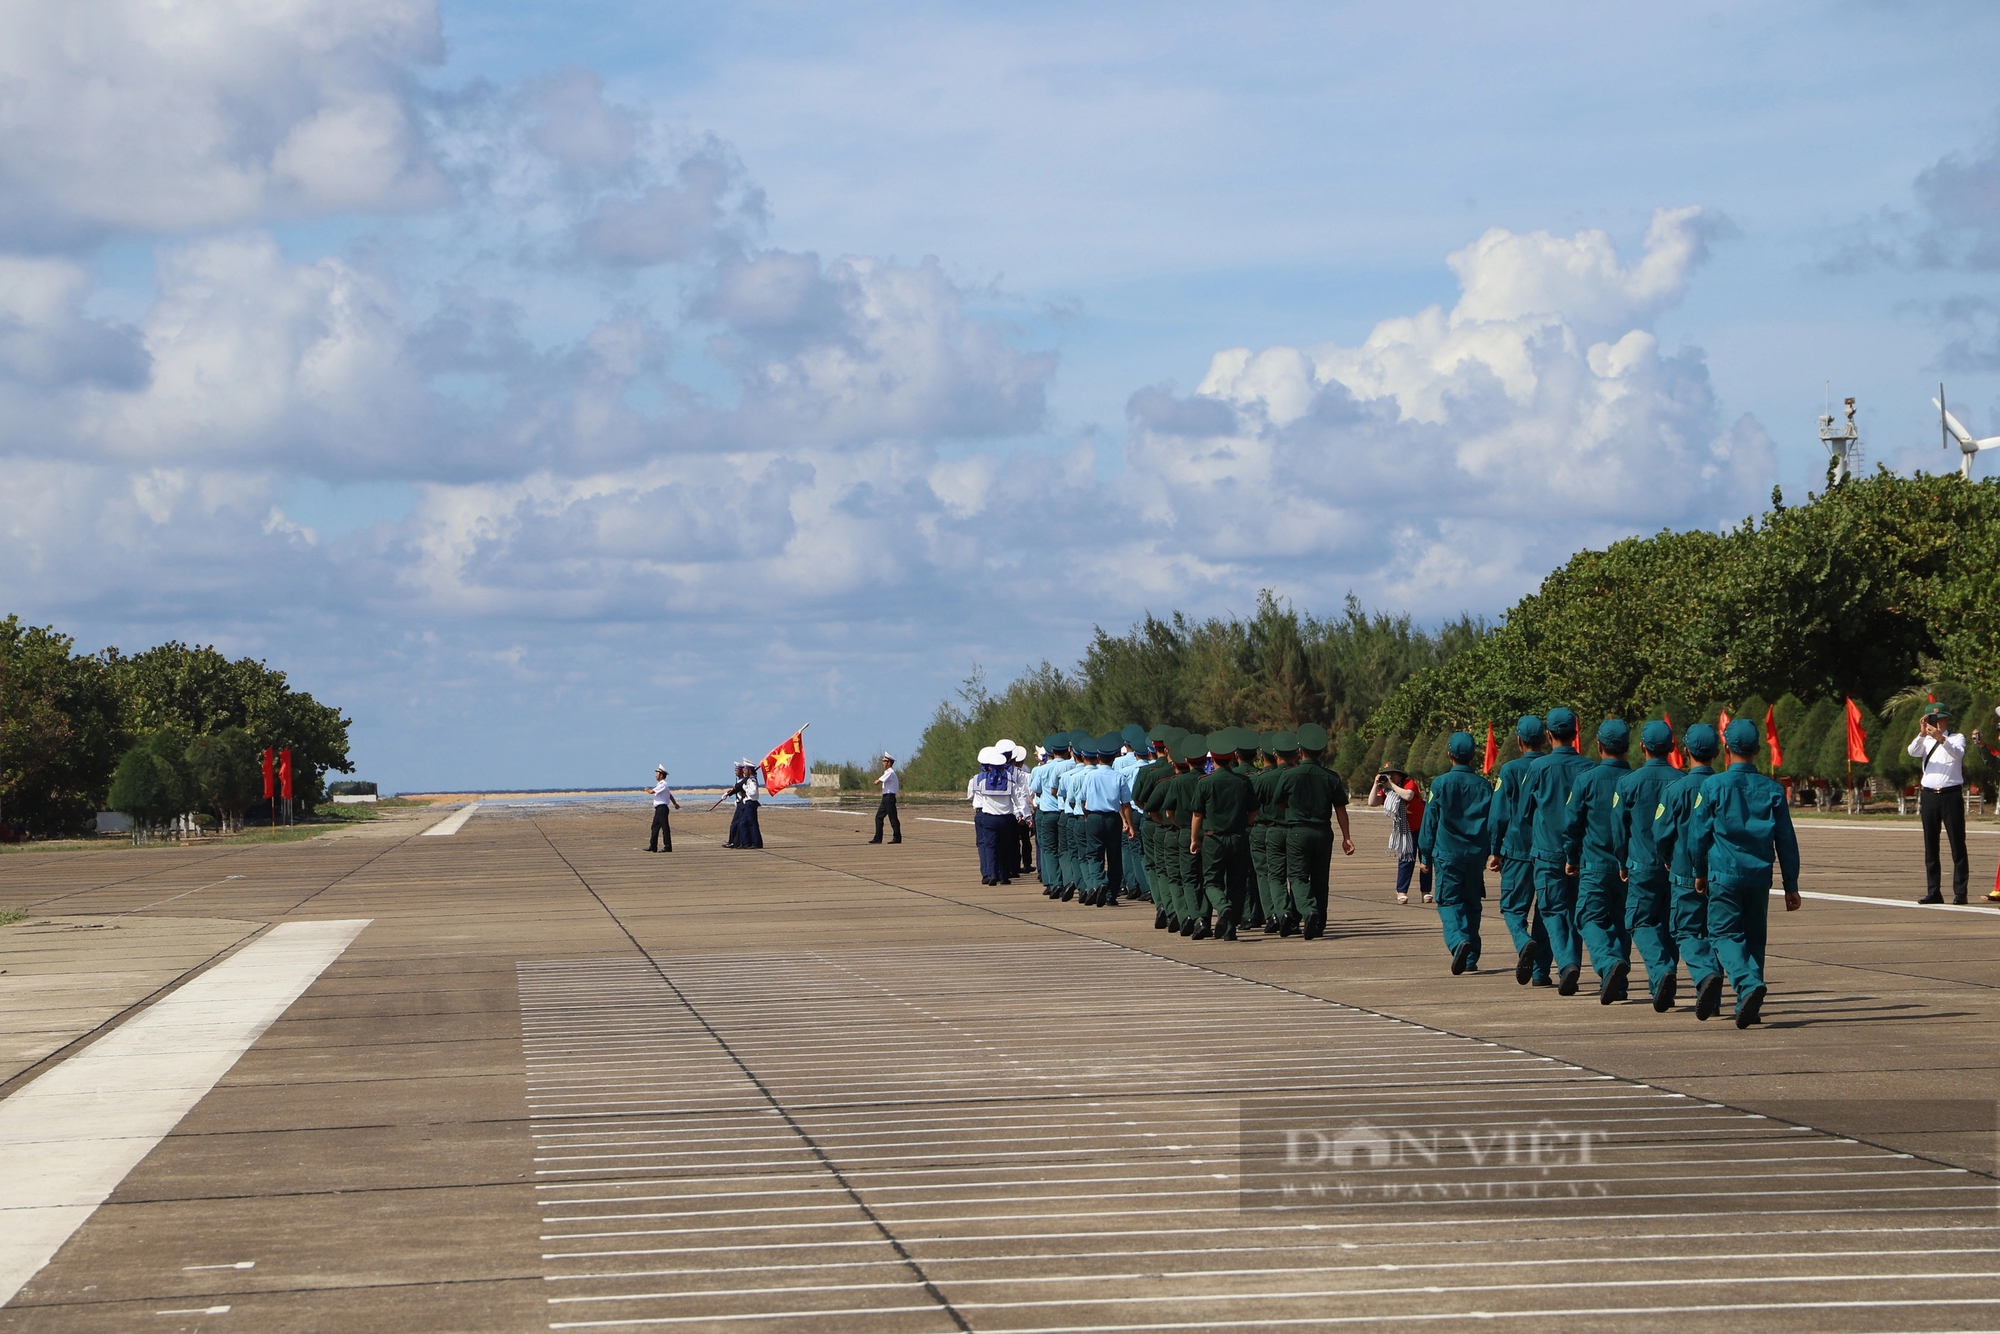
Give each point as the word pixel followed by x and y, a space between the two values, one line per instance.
pixel 1276 669
pixel 70 722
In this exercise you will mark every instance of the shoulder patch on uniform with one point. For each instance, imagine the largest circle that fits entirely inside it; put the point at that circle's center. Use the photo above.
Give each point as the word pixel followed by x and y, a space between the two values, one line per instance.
pixel 1659 810
pixel 1614 801
pixel 1697 800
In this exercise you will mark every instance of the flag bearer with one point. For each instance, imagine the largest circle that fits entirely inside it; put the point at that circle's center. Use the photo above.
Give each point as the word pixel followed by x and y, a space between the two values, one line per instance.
pixel 1741 828
pixel 1310 796
pixel 1513 856
pixel 1453 842
pixel 1648 895
pixel 1688 910
pixel 1219 835
pixel 1591 855
pixel 1543 807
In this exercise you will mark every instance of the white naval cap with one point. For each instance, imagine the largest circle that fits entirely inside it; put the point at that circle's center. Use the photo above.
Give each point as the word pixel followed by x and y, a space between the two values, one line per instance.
pixel 991 755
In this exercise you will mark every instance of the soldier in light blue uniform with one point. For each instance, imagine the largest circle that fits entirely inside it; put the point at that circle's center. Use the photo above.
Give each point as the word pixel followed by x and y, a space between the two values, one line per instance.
pixel 1048 810
pixel 1593 858
pixel 1453 841
pixel 1105 793
pixel 1647 894
pixel 1513 856
pixel 1688 912
pixel 1741 828
pixel 1543 805
pixel 1139 748
pixel 1084 747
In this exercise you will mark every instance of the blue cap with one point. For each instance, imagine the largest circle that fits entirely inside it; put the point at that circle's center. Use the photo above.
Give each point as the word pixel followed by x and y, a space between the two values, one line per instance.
pixel 1742 737
pixel 1530 730
pixel 1562 723
pixel 1459 747
pixel 1701 742
pixel 1614 735
pixel 1656 736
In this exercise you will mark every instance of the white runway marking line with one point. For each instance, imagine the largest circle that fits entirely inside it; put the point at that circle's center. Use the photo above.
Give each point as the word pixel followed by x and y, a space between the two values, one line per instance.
pixel 454 822
pixel 68 1138
pixel 1778 892
pixel 934 1081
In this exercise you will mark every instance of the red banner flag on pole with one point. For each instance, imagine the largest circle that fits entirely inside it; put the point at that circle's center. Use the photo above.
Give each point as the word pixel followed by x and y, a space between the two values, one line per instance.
pixel 1771 736
pixel 786 765
pixel 1857 735
pixel 1492 751
pixel 267 773
pixel 1674 755
pixel 285 773
pixel 1722 723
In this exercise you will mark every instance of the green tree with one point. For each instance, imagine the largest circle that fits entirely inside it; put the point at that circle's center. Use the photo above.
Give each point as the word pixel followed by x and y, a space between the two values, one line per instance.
pixel 228 773
pixel 152 785
pixel 60 731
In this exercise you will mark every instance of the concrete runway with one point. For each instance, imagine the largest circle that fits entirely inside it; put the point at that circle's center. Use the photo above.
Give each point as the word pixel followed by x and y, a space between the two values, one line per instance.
pixel 554 1082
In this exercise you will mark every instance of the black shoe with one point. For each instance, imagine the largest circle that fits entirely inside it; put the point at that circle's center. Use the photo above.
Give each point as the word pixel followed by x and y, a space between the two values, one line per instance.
pixel 1524 963
pixel 1225 927
pixel 1708 997
pixel 1566 980
pixel 874 840
pixel 1201 931
pixel 1272 926
pixel 1612 988
pixel 1459 956
pixel 1750 1008
pixel 1160 921
pixel 898 840
pixel 1931 898
pixel 1959 902
pixel 1663 995
pixel 1069 892
pixel 1187 927
pixel 1315 927
pixel 1108 901
pixel 1288 925
pixel 1540 982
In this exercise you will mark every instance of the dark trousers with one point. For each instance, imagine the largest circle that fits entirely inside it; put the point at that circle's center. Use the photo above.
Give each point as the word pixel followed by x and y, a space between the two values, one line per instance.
pixel 661 833
pixel 1008 849
pixel 1944 806
pixel 1028 837
pixel 1103 851
pixel 743 830
pixel 887 811
pixel 987 831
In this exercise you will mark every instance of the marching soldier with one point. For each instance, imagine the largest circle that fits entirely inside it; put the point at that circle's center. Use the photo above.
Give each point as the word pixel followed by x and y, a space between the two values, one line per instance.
pixel 1592 857
pixel 1048 810
pixel 1224 805
pixel 1310 796
pixel 1688 909
pixel 1158 768
pixel 1648 895
pixel 1741 828
pixel 1453 841
pixel 1175 798
pixel 1267 866
pixel 1513 856
pixel 1543 807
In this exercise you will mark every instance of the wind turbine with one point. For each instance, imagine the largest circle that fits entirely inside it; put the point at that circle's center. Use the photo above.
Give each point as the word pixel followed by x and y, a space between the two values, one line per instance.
pixel 1949 427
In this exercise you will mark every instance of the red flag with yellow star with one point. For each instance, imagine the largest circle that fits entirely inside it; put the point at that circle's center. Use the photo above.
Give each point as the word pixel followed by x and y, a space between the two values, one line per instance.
pixel 786 766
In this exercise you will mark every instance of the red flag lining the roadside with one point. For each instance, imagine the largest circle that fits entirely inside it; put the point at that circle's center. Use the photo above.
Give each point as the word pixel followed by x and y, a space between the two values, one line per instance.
pixel 1857 735
pixel 1674 755
pixel 285 773
pixel 267 773
pixel 1771 736
pixel 1492 751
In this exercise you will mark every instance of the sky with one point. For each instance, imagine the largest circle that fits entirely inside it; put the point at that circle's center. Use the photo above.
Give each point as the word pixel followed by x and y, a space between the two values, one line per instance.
pixel 560 389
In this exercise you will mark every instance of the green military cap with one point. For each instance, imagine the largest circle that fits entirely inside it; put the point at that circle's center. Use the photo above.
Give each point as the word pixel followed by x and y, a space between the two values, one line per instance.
pixel 1056 741
pixel 1937 712
pixel 1081 740
pixel 1283 743
pixel 1311 736
pixel 1108 744
pixel 1248 743
pixel 1161 732
pixel 1268 742
pixel 1134 736
pixel 1197 745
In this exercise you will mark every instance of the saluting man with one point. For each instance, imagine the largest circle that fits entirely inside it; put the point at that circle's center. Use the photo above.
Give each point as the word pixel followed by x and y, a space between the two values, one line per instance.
pixel 1741 828
pixel 1513 856
pixel 1688 910
pixel 1544 807
pixel 1648 896
pixel 1453 842
pixel 1593 858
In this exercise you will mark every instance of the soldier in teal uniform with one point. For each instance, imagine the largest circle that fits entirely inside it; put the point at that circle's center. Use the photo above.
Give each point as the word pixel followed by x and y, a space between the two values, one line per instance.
pixel 1688 910
pixel 1591 856
pixel 1453 841
pixel 1543 805
pixel 1740 830
pixel 1133 858
pixel 1648 896
pixel 1224 805
pixel 1513 856
pixel 1310 797
pixel 1048 811
pixel 1083 748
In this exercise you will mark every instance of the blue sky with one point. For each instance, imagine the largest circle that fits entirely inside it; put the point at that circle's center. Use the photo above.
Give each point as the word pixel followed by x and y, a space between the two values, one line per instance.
pixel 560 388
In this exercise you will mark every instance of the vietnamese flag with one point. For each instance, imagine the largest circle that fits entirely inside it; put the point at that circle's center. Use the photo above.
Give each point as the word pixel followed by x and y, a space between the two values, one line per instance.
pixel 1771 736
pixel 1674 755
pixel 786 766
pixel 267 773
pixel 285 773
pixel 1492 751
pixel 1857 736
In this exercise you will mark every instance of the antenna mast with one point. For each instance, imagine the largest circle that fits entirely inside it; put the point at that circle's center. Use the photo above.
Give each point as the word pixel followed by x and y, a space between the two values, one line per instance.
pixel 1843 441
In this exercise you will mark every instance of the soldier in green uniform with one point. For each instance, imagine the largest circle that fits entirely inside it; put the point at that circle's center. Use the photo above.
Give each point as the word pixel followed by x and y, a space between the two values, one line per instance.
pixel 1688 913
pixel 1175 798
pixel 1543 806
pixel 1224 805
pixel 1647 893
pixel 1453 841
pixel 1148 776
pixel 1590 855
pixel 1267 861
pixel 1741 828
pixel 1513 856
pixel 1309 797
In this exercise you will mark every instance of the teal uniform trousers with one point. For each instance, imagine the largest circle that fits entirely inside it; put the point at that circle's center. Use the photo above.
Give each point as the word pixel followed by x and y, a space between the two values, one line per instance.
pixel 1461 885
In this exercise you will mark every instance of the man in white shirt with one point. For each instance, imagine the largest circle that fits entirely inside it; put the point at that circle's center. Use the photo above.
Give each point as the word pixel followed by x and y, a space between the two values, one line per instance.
pixel 892 783
pixel 663 796
pixel 1941 804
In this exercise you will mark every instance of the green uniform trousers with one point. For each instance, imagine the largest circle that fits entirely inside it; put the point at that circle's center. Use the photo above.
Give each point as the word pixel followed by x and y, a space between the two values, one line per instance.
pixel 1308 867
pixel 1690 926
pixel 1737 921
pixel 1647 908
pixel 1267 860
pixel 1187 875
pixel 1461 885
pixel 1555 908
pixel 1048 862
pixel 1517 903
pixel 1103 852
pixel 1600 916
pixel 1073 836
pixel 1226 877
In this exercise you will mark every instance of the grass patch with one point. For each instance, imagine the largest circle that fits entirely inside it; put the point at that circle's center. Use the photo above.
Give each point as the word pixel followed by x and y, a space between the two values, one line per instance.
pixel 8 916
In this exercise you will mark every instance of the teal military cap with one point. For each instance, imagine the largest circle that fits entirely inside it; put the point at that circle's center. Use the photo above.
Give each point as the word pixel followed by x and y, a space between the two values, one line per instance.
pixel 1080 741
pixel 1742 737
pixel 1056 741
pixel 1530 730
pixel 1134 736
pixel 1459 747
pixel 1283 743
pixel 1162 732
pixel 1614 734
pixel 1561 721
pixel 1656 736
pixel 1701 741
pixel 1108 744
pixel 1311 736
pixel 1936 712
